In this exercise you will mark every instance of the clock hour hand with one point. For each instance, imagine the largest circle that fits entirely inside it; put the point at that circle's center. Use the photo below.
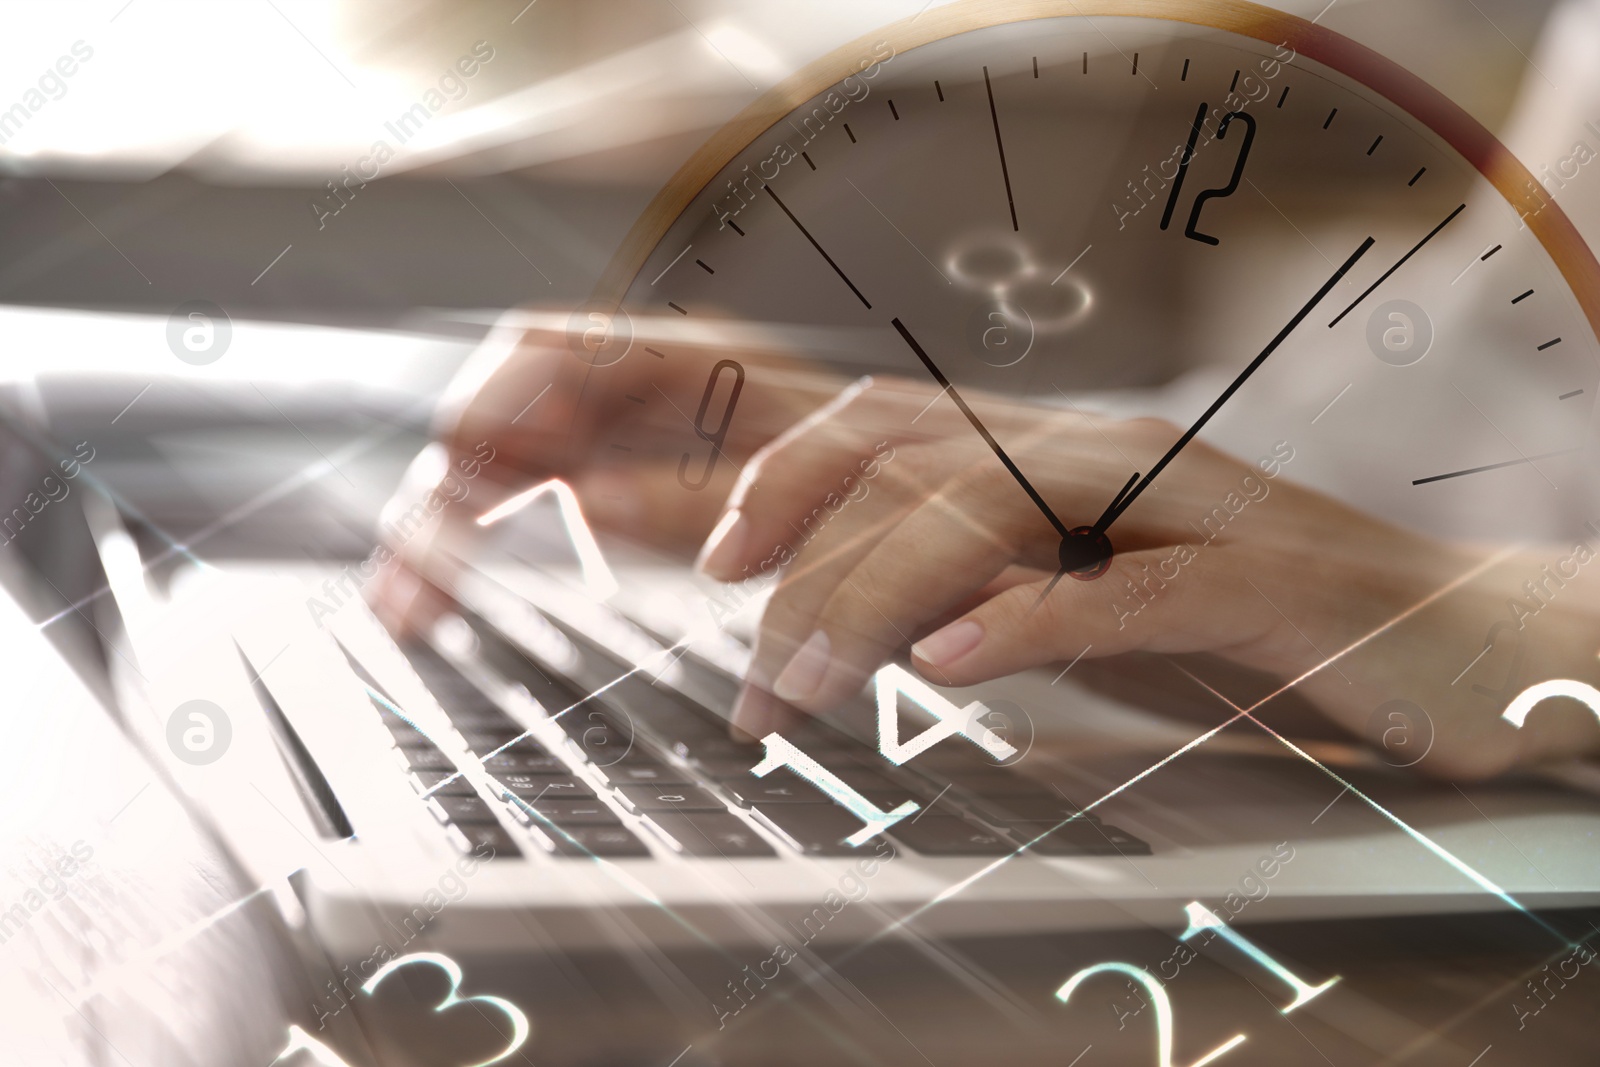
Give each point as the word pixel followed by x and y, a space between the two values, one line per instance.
pixel 1081 548
pixel 983 431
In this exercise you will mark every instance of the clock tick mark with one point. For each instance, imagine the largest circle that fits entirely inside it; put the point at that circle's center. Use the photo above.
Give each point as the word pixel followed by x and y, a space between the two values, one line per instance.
pixel 1086 62
pixel 1520 299
pixel 1569 396
pixel 653 352
pixel 1136 64
pixel 893 112
pixel 1283 96
pixel 1035 66
pixel 735 227
pixel 1329 121
pixel 1235 83
pixel 1185 75
pixel 1489 253
pixel 676 308
pixel 1420 172
pixel 704 267
pixel 807 158
pixel 938 89
pixel 635 399
pixel 1375 145
pixel 850 133
pixel 1550 343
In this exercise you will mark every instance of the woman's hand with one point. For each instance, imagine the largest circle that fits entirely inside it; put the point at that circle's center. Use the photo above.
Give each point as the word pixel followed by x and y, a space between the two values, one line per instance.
pixel 533 400
pixel 943 550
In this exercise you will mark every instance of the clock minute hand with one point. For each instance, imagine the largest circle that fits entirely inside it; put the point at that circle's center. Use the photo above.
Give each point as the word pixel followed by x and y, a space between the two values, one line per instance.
pixel 983 431
pixel 1128 496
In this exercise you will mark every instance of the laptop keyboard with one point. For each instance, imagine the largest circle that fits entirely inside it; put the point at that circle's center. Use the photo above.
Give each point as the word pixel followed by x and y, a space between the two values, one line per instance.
pixel 644 749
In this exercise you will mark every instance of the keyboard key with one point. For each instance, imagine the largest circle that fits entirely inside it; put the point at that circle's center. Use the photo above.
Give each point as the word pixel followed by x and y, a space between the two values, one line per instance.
pixel 944 835
pixel 818 739
pixel 720 747
pixel 646 774
pixel 427 759
pixel 1031 809
pixel 653 798
pixel 999 783
pixel 457 786
pixel 728 770
pixel 955 756
pixel 469 837
pixel 463 809
pixel 590 721
pixel 574 812
pixel 637 753
pixel 515 761
pixel 712 835
pixel 860 778
pixel 819 829
pixel 1078 839
pixel 481 717
pixel 483 739
pixel 669 719
pixel 779 787
pixel 546 786
pixel 577 841
pixel 473 710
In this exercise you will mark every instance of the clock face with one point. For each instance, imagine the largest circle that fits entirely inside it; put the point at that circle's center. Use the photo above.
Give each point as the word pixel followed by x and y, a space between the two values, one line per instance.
pixel 1120 212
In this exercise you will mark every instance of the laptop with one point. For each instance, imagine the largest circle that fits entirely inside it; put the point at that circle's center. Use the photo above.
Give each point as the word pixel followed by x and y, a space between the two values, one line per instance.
pixel 550 762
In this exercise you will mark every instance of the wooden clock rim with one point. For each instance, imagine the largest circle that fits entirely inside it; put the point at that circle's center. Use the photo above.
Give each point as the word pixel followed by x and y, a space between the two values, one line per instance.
pixel 1448 120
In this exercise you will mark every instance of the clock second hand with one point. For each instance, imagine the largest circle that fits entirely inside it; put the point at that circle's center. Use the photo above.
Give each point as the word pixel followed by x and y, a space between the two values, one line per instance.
pixel 1128 496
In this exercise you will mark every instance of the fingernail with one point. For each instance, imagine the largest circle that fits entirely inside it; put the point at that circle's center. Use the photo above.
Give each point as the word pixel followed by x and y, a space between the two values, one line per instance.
pixel 949 644
pixel 720 557
pixel 803 676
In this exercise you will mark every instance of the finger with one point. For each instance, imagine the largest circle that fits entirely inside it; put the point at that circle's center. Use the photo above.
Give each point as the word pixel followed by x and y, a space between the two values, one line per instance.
pixel 427 510
pixel 952 545
pixel 832 453
pixel 537 394
pixel 1205 605
pixel 519 390
pixel 823 551
pixel 1014 575
pixel 783 481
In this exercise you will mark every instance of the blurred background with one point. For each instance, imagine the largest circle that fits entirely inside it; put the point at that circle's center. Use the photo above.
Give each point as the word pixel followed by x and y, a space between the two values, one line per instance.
pixel 226 151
